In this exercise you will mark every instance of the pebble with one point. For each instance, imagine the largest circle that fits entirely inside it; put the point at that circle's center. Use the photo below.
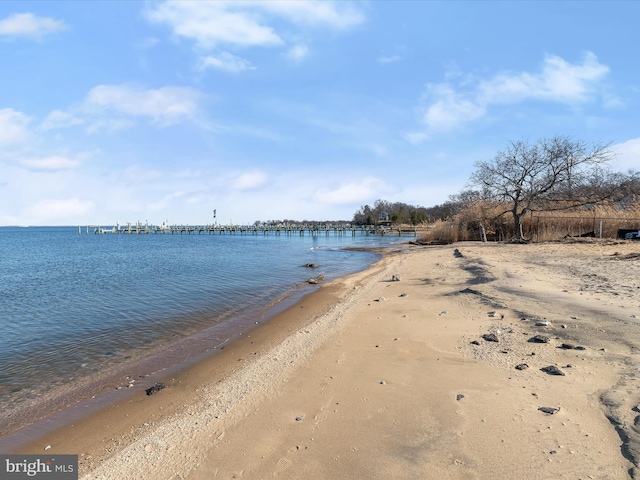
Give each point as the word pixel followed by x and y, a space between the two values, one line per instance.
pixel 155 388
pixel 522 366
pixel 444 312
pixel 549 410
pixel 567 346
pixel 490 337
pixel 539 339
pixel 47 447
pixel 299 418
pixel 545 323
pixel 459 397
pixel 382 382
pixel 552 370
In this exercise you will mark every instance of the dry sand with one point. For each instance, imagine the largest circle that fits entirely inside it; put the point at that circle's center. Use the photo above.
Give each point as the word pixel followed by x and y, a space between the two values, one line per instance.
pixel 373 378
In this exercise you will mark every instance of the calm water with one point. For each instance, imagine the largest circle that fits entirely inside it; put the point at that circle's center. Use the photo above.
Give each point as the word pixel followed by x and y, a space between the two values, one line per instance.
pixel 71 304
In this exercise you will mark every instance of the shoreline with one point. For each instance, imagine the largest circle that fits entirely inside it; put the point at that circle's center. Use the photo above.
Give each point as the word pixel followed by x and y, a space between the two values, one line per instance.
pixel 97 393
pixel 371 377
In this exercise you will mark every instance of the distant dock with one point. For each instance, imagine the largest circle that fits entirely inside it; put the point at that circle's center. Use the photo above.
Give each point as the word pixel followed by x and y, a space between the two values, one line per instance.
pixel 314 229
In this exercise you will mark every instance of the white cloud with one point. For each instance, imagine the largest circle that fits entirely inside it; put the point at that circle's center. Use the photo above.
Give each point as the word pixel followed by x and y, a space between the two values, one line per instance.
pixel 214 23
pixel 60 119
pixel 163 203
pixel 51 210
pixel 250 180
pixel 450 109
pixel 13 128
pixel 245 24
pixel 227 62
pixel 55 162
pixel 559 81
pixel 29 25
pixel 627 155
pixel 115 106
pixel 352 192
pixel 316 13
pixel 298 53
pixel 166 104
pixel 384 60
pixel 449 106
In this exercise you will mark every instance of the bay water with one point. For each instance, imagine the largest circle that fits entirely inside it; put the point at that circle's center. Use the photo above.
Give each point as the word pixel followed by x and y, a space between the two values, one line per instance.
pixel 73 304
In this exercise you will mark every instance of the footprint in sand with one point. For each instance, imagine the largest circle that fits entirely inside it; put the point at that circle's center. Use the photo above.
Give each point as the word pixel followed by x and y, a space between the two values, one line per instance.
pixel 281 466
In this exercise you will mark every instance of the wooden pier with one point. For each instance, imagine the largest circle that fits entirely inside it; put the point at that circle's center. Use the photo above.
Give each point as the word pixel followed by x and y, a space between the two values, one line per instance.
pixel 315 229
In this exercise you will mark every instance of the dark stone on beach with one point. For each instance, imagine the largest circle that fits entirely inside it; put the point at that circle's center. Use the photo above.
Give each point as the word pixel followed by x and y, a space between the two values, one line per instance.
pixel 567 346
pixel 311 265
pixel 395 278
pixel 490 337
pixel 539 339
pixel 459 397
pixel 522 366
pixel 552 370
pixel 475 342
pixel 155 388
pixel 299 418
pixel 403 294
pixel 580 348
pixel 457 253
pixel 549 410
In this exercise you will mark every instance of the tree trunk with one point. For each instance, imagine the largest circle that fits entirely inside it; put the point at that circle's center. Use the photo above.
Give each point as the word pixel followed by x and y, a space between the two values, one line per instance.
pixel 517 222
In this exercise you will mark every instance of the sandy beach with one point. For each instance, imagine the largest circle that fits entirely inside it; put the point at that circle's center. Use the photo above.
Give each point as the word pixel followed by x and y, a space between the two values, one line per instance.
pixel 394 372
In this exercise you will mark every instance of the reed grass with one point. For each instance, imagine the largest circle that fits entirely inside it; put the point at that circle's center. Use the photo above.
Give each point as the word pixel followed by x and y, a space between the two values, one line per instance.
pixel 601 221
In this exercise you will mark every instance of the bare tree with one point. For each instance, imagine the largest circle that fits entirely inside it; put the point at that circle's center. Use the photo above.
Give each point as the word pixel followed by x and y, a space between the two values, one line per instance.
pixel 552 174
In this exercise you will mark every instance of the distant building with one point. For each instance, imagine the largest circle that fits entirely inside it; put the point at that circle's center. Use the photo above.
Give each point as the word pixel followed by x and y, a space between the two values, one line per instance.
pixel 383 218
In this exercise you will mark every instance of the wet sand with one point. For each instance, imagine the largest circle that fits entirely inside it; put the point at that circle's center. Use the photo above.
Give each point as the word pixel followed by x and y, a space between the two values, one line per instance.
pixel 374 378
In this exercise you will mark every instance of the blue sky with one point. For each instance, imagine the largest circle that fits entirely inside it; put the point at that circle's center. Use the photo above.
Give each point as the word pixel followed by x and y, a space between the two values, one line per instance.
pixel 123 111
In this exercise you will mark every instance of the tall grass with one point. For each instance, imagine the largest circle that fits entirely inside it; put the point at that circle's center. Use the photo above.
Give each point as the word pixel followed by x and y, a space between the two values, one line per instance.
pixel 601 221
